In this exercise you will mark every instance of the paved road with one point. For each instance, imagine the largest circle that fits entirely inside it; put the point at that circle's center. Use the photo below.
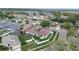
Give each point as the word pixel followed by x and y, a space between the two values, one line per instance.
pixel 51 48
pixel 63 33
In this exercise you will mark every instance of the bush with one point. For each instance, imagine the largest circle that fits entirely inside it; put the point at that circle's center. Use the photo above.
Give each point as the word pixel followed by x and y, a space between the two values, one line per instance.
pixel 45 23
pixel 3 48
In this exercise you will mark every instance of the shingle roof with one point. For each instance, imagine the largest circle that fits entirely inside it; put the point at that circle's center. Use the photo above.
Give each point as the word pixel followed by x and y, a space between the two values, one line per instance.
pixel 4 24
pixel 44 32
pixel 26 26
pixel 14 26
pixel 9 26
pixel 11 39
pixel 32 30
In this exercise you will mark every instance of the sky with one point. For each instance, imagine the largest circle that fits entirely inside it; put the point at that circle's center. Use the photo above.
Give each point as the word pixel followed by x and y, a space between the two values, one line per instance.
pixel 39 3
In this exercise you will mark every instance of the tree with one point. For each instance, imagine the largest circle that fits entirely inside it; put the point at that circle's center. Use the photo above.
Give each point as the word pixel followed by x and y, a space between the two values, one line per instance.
pixel 11 17
pixel 66 25
pixel 27 14
pixel 4 15
pixel 57 15
pixel 66 14
pixel 72 46
pixel 45 23
pixel 70 38
pixel 41 13
pixel 27 22
pixel 34 14
pixel 72 31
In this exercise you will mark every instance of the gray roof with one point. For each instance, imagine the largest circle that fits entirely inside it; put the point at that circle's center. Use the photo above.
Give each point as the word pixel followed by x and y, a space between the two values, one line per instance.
pixel 9 26
pixel 11 39
pixel 4 24
pixel 15 26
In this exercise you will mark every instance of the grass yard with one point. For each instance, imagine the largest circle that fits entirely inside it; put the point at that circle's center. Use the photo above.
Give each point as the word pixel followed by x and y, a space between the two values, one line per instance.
pixel 47 44
pixel 2 48
pixel 24 37
pixel 28 46
pixel 32 44
pixel 39 39
pixel 1 31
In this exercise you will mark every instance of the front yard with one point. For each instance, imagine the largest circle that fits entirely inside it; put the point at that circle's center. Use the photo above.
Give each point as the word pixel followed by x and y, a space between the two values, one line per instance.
pixel 3 48
pixel 1 31
pixel 28 46
pixel 4 32
pixel 39 39
pixel 25 46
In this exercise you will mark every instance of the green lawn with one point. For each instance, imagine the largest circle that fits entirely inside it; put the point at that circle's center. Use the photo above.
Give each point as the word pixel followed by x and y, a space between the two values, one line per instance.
pixel 32 44
pixel 2 48
pixel 24 37
pixel 1 31
pixel 52 36
pixel 25 46
pixel 28 46
pixel 39 39
pixel 50 42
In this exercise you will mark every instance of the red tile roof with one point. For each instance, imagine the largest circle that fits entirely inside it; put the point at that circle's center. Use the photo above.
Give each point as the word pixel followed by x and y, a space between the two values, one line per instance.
pixel 26 27
pixel 32 30
pixel 44 32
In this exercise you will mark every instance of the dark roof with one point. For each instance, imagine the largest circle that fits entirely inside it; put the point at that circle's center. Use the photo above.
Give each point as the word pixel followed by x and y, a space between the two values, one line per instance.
pixel 14 26
pixel 4 24
pixel 9 26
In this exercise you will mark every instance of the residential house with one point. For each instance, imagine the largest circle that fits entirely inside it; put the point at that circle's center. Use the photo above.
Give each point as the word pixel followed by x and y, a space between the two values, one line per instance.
pixel 29 29
pixel 44 32
pixel 25 27
pixel 12 42
pixel 65 17
pixel 32 30
pixel 9 26
pixel 37 17
pixel 56 26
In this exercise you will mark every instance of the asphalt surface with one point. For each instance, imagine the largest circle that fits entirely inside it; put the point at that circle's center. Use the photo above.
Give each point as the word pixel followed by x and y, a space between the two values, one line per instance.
pixel 62 36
